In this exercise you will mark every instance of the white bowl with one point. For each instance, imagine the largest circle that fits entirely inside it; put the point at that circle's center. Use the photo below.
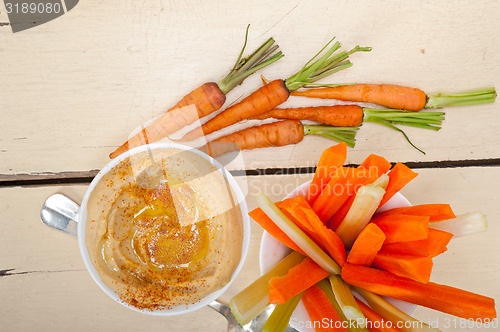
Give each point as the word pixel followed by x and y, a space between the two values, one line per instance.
pixel 82 220
pixel 272 251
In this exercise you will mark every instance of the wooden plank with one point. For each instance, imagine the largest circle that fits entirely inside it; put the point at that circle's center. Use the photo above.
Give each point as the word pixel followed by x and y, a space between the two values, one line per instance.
pixel 74 88
pixel 48 286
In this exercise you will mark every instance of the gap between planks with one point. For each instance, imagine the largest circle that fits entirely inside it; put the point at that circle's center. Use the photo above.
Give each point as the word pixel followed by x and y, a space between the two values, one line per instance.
pixel 62 178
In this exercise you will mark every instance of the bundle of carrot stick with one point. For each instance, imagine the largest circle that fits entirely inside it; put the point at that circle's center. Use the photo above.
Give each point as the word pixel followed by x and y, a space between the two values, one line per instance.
pixel 337 122
pixel 342 239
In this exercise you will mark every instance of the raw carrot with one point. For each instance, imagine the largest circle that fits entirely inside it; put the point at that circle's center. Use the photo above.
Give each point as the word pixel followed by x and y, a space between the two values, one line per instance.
pixel 265 222
pixel 397 96
pixel 300 212
pixel 278 133
pixel 204 100
pixel 366 246
pixel 400 227
pixel 320 309
pixel 345 182
pixel 276 92
pixel 337 115
pixel 417 268
pixel 433 245
pixel 376 323
pixel 436 212
pixel 376 166
pixel 298 279
pixel 331 159
pixel 399 176
pixel 444 298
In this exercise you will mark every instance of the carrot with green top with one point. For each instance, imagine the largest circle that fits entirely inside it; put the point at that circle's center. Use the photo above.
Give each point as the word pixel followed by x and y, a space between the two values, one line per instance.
pixel 277 92
pixel 205 99
pixel 443 298
pixel 399 97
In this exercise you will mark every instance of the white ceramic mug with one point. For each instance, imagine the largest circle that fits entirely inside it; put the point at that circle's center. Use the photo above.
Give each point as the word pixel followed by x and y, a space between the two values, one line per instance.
pixel 58 212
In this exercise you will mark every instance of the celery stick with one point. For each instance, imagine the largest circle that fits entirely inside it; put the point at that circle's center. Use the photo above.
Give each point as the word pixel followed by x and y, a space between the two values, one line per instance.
pixel 250 302
pixel 382 181
pixel 363 207
pixel 465 224
pixel 296 235
pixel 347 303
pixel 393 314
pixel 278 321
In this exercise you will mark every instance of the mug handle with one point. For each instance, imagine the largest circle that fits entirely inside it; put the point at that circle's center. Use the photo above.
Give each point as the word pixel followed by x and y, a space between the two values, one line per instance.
pixel 60 212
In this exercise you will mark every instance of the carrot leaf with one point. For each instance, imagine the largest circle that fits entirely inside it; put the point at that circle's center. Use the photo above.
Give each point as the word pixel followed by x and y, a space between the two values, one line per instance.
pixel 339 134
pixel 482 96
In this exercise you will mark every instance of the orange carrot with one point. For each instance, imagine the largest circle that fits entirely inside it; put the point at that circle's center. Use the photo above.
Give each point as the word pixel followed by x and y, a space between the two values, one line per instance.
pixel 299 211
pixel 399 176
pixel 389 95
pixel 376 166
pixel 320 309
pixel 376 323
pixel 331 159
pixel 400 97
pixel 366 246
pixel 400 227
pixel 337 115
pixel 444 298
pixel 204 100
pixel 298 279
pixel 436 212
pixel 432 246
pixel 278 133
pixel 276 92
pixel 345 182
pixel 265 222
pixel 417 268
pixel 260 101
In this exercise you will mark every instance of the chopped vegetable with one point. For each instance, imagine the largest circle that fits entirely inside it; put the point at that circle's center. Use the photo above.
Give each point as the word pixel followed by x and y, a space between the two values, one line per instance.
pixel 297 236
pixel 363 207
pixel 435 212
pixel 278 321
pixel 297 280
pixel 366 246
pixel 435 244
pixel 399 176
pixel 320 308
pixel 417 268
pixel 465 224
pixel 346 301
pixel 331 159
pixel 250 302
pixel 444 298
pixel 376 323
pixel 400 227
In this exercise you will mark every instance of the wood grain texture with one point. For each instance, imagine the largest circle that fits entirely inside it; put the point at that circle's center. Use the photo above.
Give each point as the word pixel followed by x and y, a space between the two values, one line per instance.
pixel 45 285
pixel 73 89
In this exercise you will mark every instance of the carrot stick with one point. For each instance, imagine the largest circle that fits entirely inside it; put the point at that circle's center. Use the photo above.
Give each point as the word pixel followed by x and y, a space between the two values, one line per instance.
pixel 345 182
pixel 444 298
pixel 205 99
pixel 337 115
pixel 376 323
pixel 400 227
pixel 366 246
pixel 432 246
pixel 417 268
pixel 278 133
pixel 320 309
pixel 276 92
pixel 300 212
pixel 265 222
pixel 298 279
pixel 400 97
pixel 436 212
pixel 376 166
pixel 399 176
pixel 331 159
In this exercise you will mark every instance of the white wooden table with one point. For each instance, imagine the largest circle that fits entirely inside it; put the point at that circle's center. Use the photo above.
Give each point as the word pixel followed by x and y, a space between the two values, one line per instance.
pixel 73 89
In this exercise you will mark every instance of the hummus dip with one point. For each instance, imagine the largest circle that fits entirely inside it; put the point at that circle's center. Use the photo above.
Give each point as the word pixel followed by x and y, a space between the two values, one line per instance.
pixel 164 229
